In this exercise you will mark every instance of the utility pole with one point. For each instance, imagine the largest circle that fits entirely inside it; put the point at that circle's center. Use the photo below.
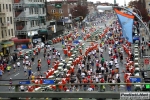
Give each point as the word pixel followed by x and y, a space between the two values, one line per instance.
pixel 114 1
pixel 124 2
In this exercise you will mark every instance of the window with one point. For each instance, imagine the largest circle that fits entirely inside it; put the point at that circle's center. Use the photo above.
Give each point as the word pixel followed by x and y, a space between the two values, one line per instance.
pixel 60 11
pixel 9 32
pixel 3 6
pixel 10 20
pixel 12 32
pixel 7 18
pixel 6 32
pixel 4 20
pixel 0 8
pixel 43 10
pixel 2 34
pixel 10 7
pixel 53 11
pixel 1 20
pixel 6 6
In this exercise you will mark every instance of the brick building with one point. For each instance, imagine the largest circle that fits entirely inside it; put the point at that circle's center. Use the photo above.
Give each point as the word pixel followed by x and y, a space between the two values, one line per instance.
pixel 63 10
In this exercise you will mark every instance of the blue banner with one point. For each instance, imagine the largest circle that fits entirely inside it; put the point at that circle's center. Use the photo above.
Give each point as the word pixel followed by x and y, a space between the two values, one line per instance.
pixel 48 82
pixel 126 22
pixel 24 82
pixel 135 79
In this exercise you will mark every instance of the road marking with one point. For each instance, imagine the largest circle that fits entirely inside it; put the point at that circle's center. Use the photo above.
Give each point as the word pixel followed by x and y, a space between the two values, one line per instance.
pixel 17 74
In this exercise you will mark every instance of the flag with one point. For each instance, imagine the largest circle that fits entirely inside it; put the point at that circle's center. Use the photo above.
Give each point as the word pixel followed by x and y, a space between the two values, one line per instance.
pixel 126 22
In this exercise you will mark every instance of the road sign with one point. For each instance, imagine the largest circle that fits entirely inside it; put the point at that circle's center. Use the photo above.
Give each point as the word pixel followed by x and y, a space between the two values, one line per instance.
pixel 146 61
pixel 135 79
pixel 24 82
pixel 48 82
pixel 147 86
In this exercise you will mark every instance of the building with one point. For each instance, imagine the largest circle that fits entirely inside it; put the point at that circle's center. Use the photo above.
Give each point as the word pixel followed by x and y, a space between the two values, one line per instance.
pixel 6 26
pixel 30 20
pixel 82 2
pixel 147 5
pixel 60 12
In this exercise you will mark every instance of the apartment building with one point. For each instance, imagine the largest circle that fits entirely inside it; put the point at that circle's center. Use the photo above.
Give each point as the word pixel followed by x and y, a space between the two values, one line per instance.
pixel 29 18
pixel 6 26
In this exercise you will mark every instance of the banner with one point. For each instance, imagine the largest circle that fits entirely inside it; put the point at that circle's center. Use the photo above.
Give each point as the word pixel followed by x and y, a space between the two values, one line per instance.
pixel 126 22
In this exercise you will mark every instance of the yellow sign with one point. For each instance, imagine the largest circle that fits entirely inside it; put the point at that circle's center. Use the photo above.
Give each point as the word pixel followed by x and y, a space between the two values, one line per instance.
pixel 8 45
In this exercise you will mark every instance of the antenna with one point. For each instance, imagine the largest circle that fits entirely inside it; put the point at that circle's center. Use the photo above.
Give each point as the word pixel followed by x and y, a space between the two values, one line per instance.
pixel 114 1
pixel 124 2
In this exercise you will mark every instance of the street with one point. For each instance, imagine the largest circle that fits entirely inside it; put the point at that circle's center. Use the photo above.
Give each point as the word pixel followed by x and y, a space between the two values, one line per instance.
pixel 20 74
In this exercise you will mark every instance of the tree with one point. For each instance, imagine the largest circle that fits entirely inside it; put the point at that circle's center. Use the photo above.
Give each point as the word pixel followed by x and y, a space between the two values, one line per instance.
pixel 79 10
pixel 142 10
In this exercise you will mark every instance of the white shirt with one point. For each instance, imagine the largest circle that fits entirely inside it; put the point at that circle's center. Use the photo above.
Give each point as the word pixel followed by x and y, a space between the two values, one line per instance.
pixel 22 87
pixel 26 57
pixel 82 65
pixel 27 62
pixel 111 62
pixel 18 63
pixel 101 50
pixel 96 78
pixel 83 74
pixel 102 68
pixel 116 61
pixel 109 52
pixel 117 75
pixel 117 65
pixel 113 81
pixel 106 62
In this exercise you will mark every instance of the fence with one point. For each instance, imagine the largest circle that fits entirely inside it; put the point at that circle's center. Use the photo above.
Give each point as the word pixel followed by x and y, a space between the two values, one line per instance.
pixel 70 94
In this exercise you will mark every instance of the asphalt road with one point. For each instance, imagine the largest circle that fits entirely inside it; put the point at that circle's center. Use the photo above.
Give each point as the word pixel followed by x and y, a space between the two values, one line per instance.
pixel 20 73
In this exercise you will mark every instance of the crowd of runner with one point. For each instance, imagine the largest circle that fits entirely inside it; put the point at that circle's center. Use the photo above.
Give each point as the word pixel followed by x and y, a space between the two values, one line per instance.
pixel 97 66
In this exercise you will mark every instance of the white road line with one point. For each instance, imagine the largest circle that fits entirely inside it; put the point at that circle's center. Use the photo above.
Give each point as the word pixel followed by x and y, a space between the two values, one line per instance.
pixel 17 74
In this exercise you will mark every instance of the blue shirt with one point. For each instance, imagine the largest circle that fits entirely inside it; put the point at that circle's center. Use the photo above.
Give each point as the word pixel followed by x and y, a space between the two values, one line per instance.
pixel 1 73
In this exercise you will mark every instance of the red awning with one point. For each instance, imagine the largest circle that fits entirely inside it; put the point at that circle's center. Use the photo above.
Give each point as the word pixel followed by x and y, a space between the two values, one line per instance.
pixel 14 38
pixel 20 41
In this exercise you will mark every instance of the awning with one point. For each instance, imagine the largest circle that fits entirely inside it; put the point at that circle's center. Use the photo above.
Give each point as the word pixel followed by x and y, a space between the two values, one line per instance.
pixel 21 41
pixel 7 44
pixel 43 32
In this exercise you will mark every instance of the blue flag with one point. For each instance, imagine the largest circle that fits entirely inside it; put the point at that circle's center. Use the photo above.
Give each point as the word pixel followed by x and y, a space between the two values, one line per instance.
pixel 126 22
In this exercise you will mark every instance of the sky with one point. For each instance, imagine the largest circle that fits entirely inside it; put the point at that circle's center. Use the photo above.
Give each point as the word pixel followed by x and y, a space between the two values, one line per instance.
pixel 120 2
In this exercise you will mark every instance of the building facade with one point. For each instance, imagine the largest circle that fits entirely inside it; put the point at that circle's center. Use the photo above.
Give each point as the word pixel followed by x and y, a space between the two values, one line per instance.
pixel 29 17
pixel 6 26
pixel 61 12
pixel 147 5
pixel 6 19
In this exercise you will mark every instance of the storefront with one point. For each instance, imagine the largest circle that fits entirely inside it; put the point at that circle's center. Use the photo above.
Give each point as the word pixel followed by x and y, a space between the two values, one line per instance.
pixel 7 47
pixel 43 34
pixel 22 43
